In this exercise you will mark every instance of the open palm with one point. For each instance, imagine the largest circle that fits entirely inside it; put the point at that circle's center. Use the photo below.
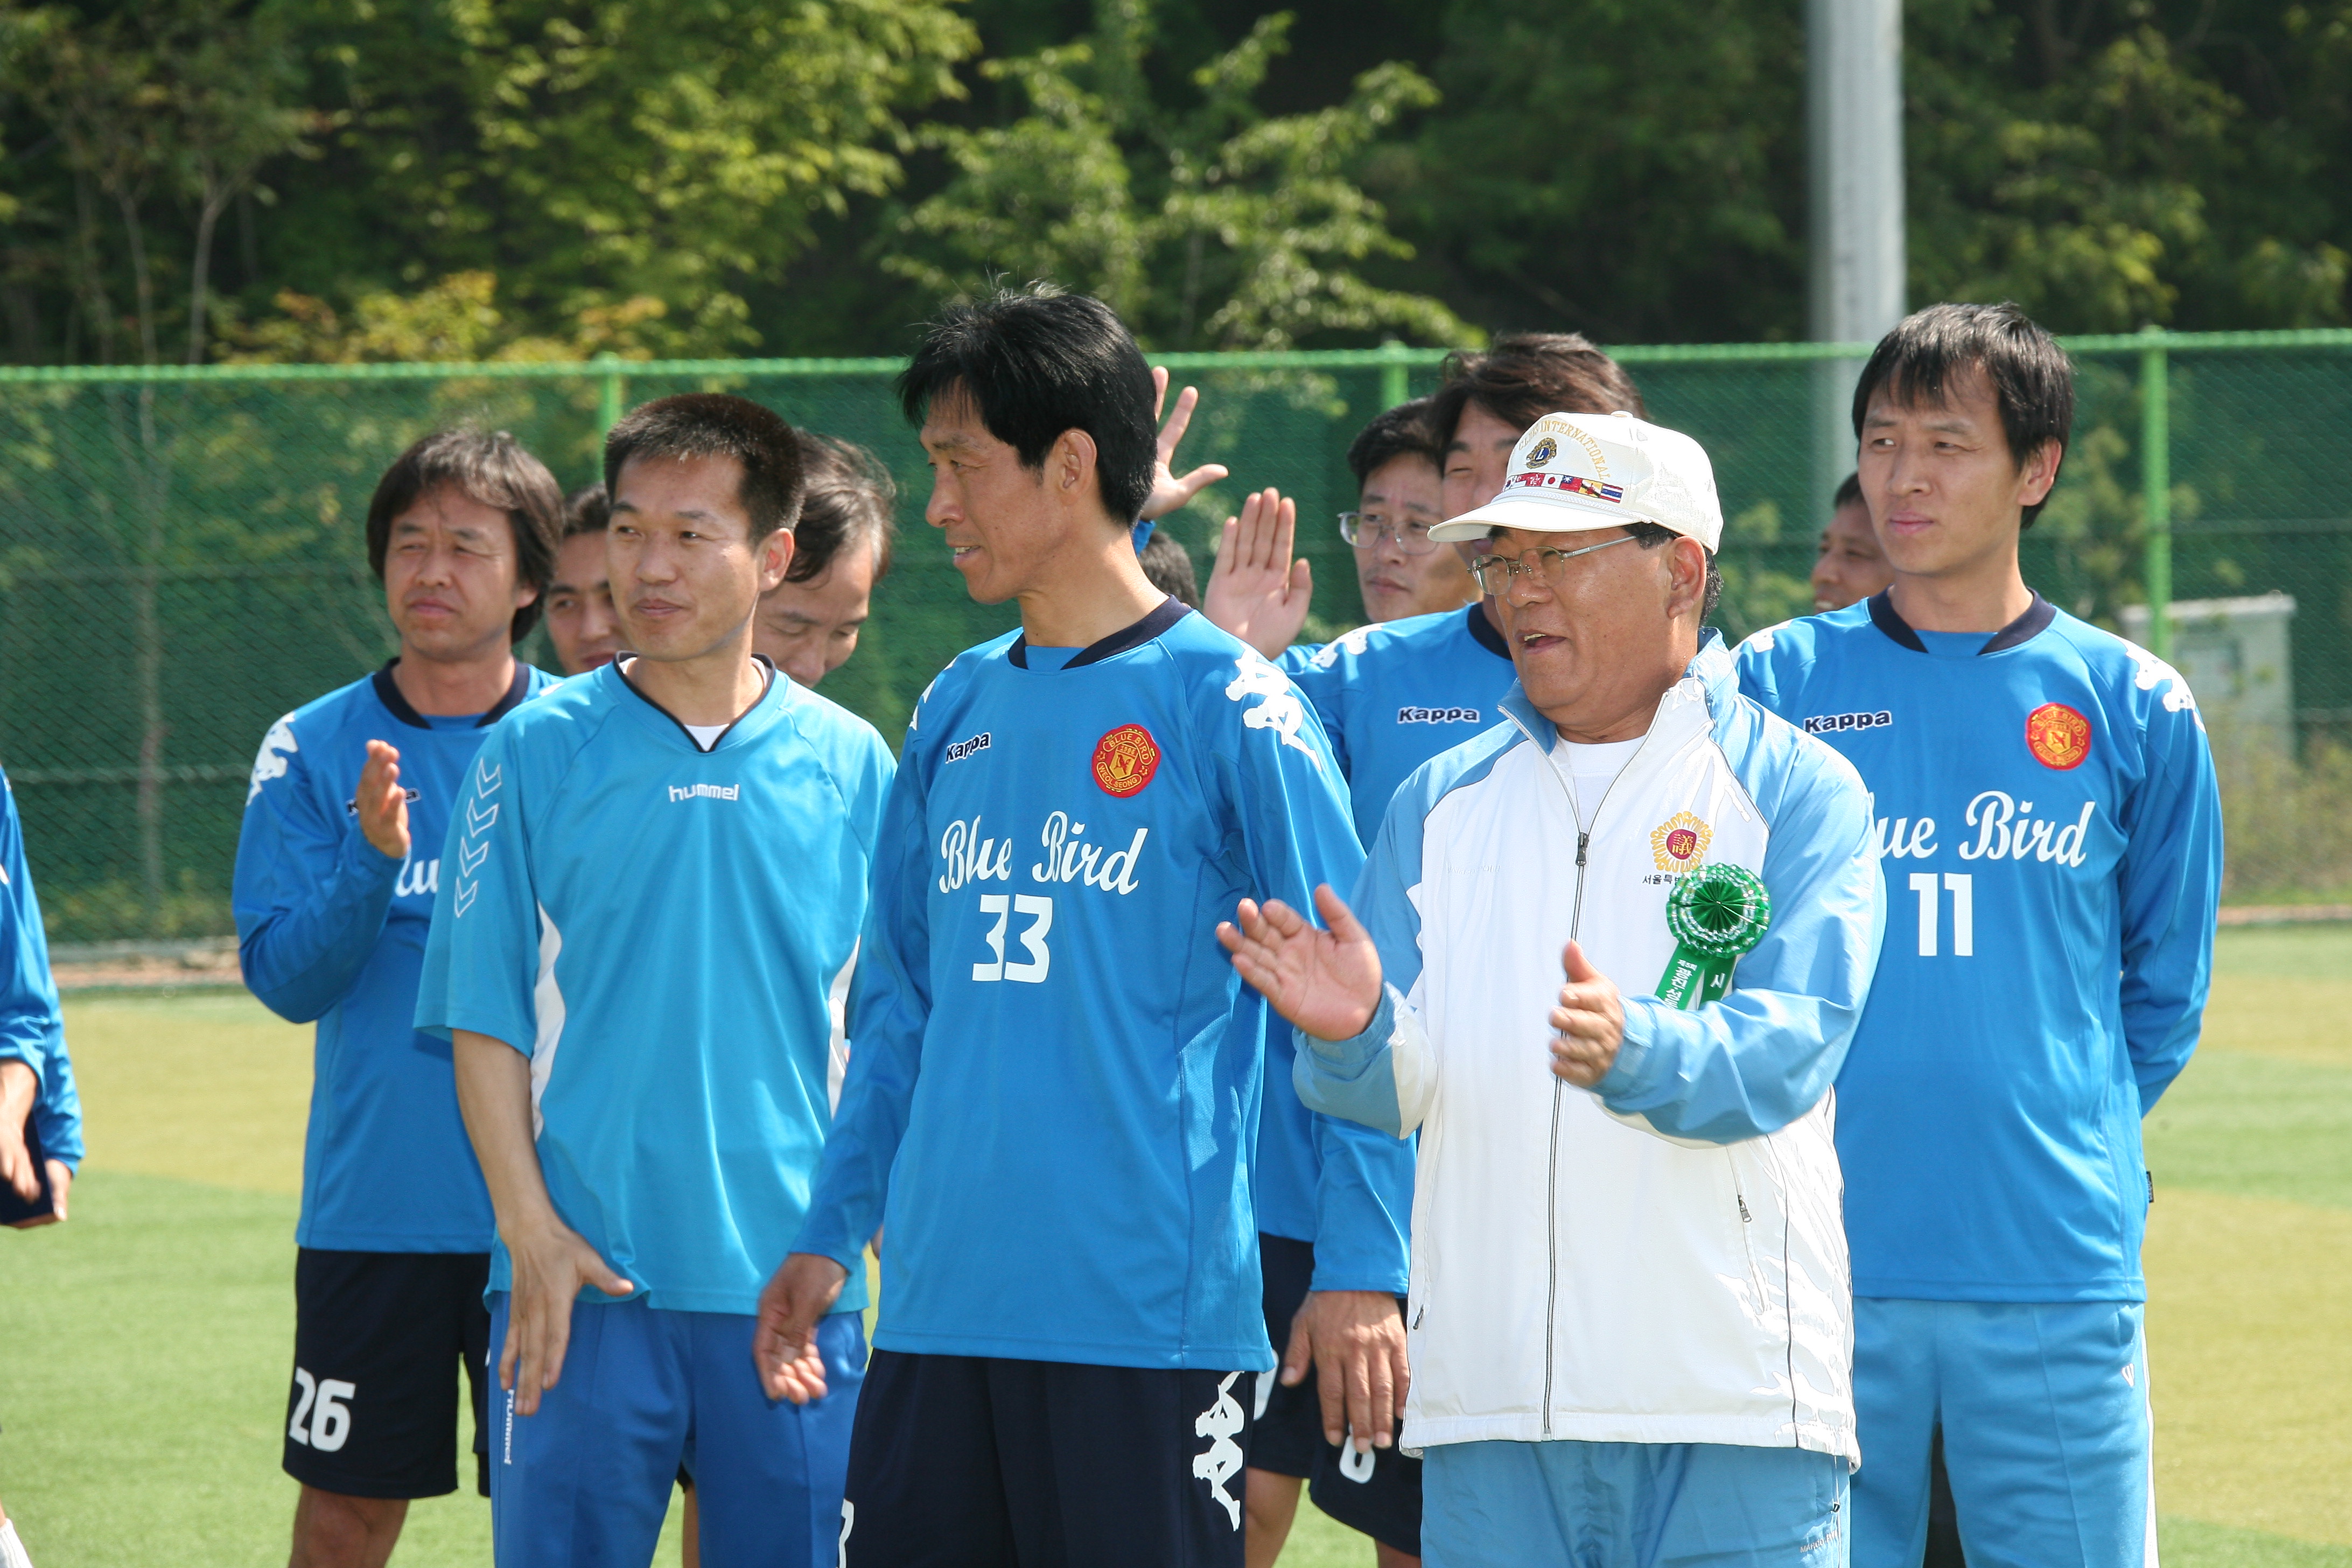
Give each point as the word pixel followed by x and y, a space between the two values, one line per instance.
pixel 1325 981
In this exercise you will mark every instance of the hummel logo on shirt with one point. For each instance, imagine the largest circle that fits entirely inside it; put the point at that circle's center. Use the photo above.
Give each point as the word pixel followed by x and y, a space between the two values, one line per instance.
pixel 705 792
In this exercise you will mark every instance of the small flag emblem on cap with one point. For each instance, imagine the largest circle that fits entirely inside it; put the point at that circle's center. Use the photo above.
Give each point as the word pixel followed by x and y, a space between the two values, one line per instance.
pixel 1575 484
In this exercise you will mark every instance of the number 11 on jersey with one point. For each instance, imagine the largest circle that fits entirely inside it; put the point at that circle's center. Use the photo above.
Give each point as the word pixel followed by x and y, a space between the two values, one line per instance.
pixel 1961 885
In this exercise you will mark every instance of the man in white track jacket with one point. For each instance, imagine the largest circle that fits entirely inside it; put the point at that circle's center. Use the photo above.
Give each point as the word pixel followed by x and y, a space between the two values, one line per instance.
pixel 1630 1324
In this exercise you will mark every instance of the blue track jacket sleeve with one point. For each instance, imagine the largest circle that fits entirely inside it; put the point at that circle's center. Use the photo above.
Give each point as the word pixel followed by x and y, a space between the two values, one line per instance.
pixel 1298 831
pixel 29 993
pixel 482 958
pixel 1765 1055
pixel 1382 1078
pixel 2170 888
pixel 32 1029
pixel 310 894
pixel 890 1005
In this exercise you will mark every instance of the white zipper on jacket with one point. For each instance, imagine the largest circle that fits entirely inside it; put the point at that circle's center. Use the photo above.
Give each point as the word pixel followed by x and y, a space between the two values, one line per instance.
pixel 1559 1084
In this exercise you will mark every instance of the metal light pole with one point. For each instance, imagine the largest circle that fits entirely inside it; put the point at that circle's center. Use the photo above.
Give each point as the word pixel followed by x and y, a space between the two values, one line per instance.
pixel 1853 102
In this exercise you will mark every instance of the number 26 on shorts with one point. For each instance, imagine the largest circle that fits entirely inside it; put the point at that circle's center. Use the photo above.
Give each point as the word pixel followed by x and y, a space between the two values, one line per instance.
pixel 322 1405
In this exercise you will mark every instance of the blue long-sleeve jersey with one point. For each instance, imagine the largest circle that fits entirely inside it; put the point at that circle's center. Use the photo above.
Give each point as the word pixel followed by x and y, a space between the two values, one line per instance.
pixel 32 1028
pixel 2051 841
pixel 1390 697
pixel 331 929
pixel 1056 1079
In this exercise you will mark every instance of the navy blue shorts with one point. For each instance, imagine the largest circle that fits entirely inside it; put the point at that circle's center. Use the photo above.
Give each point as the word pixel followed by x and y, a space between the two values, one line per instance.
pixel 1377 1492
pixel 977 1462
pixel 379 1339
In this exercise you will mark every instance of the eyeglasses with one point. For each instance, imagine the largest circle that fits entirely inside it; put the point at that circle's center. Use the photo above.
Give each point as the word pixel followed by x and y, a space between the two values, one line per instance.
pixel 1365 530
pixel 1495 572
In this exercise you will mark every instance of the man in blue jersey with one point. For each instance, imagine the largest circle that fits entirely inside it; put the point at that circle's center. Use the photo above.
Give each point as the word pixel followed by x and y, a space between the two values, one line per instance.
pixel 580 619
pixel 642 952
pixel 1054 1094
pixel 2046 806
pixel 1629 1320
pixel 334 892
pixel 41 1114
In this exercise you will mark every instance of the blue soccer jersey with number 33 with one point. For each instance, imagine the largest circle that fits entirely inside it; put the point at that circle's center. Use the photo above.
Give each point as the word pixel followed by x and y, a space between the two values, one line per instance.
pixel 1055 1078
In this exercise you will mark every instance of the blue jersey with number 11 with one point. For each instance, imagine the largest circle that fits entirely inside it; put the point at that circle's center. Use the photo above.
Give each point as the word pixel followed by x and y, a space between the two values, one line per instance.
pixel 2051 843
pixel 1057 1071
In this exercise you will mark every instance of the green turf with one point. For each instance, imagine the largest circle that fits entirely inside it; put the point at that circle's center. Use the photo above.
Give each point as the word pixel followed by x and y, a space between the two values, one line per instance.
pixel 144 1346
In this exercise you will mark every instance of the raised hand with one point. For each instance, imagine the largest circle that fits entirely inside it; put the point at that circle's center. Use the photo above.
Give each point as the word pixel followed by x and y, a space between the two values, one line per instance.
pixel 1257 591
pixel 1589 1024
pixel 784 1346
pixel 1168 491
pixel 381 802
pixel 1327 982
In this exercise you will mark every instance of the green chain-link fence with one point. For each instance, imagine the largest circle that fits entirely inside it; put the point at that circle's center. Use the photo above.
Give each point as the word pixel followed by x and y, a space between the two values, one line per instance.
pixel 181 559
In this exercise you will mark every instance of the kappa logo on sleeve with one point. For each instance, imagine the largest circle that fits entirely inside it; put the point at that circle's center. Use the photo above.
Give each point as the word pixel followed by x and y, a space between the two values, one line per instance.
pixel 1353 642
pixel 1437 715
pixel 1278 706
pixel 271 762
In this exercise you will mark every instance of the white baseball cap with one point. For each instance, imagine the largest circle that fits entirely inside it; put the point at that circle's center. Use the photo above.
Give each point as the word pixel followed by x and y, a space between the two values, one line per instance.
pixel 1574 472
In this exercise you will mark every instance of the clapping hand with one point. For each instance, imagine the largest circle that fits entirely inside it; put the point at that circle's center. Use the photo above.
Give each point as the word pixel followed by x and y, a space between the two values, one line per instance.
pixel 1327 982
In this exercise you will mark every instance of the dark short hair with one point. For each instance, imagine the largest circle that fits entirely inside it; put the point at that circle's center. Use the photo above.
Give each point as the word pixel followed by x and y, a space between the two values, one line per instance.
pixel 1849 493
pixel 489 468
pixel 1528 376
pixel 718 424
pixel 1169 567
pixel 586 511
pixel 1034 363
pixel 1399 432
pixel 849 503
pixel 1650 536
pixel 2033 381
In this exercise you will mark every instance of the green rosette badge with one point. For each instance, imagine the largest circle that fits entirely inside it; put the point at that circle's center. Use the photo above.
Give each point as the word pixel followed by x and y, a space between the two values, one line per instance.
pixel 1715 913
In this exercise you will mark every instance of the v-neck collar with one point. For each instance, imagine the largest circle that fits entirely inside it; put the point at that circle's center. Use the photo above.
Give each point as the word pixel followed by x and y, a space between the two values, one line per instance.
pixel 2024 630
pixel 767 666
pixel 1170 612
pixel 387 691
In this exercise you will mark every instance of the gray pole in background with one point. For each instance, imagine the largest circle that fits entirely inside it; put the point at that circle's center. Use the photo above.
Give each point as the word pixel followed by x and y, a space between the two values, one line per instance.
pixel 1854 101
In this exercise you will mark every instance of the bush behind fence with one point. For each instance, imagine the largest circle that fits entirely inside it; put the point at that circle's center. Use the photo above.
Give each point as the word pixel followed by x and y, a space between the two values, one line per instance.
pixel 181 560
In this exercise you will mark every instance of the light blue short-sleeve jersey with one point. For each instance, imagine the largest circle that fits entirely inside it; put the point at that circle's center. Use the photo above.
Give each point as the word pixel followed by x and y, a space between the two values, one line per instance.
pixel 2052 843
pixel 1056 1079
pixel 671 935
pixel 331 929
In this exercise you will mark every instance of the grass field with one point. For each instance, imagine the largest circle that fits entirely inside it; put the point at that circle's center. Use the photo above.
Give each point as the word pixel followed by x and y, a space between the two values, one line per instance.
pixel 143 1347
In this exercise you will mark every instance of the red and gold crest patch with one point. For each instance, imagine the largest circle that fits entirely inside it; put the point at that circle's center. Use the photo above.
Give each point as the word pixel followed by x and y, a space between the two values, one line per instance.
pixel 1125 760
pixel 2057 736
pixel 1679 843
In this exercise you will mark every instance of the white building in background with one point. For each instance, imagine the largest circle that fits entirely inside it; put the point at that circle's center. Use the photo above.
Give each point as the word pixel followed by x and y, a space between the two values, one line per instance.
pixel 2235 655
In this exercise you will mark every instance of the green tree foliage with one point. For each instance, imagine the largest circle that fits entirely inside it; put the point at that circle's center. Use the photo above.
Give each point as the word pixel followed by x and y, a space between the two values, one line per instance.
pixel 1208 225
pixel 342 178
